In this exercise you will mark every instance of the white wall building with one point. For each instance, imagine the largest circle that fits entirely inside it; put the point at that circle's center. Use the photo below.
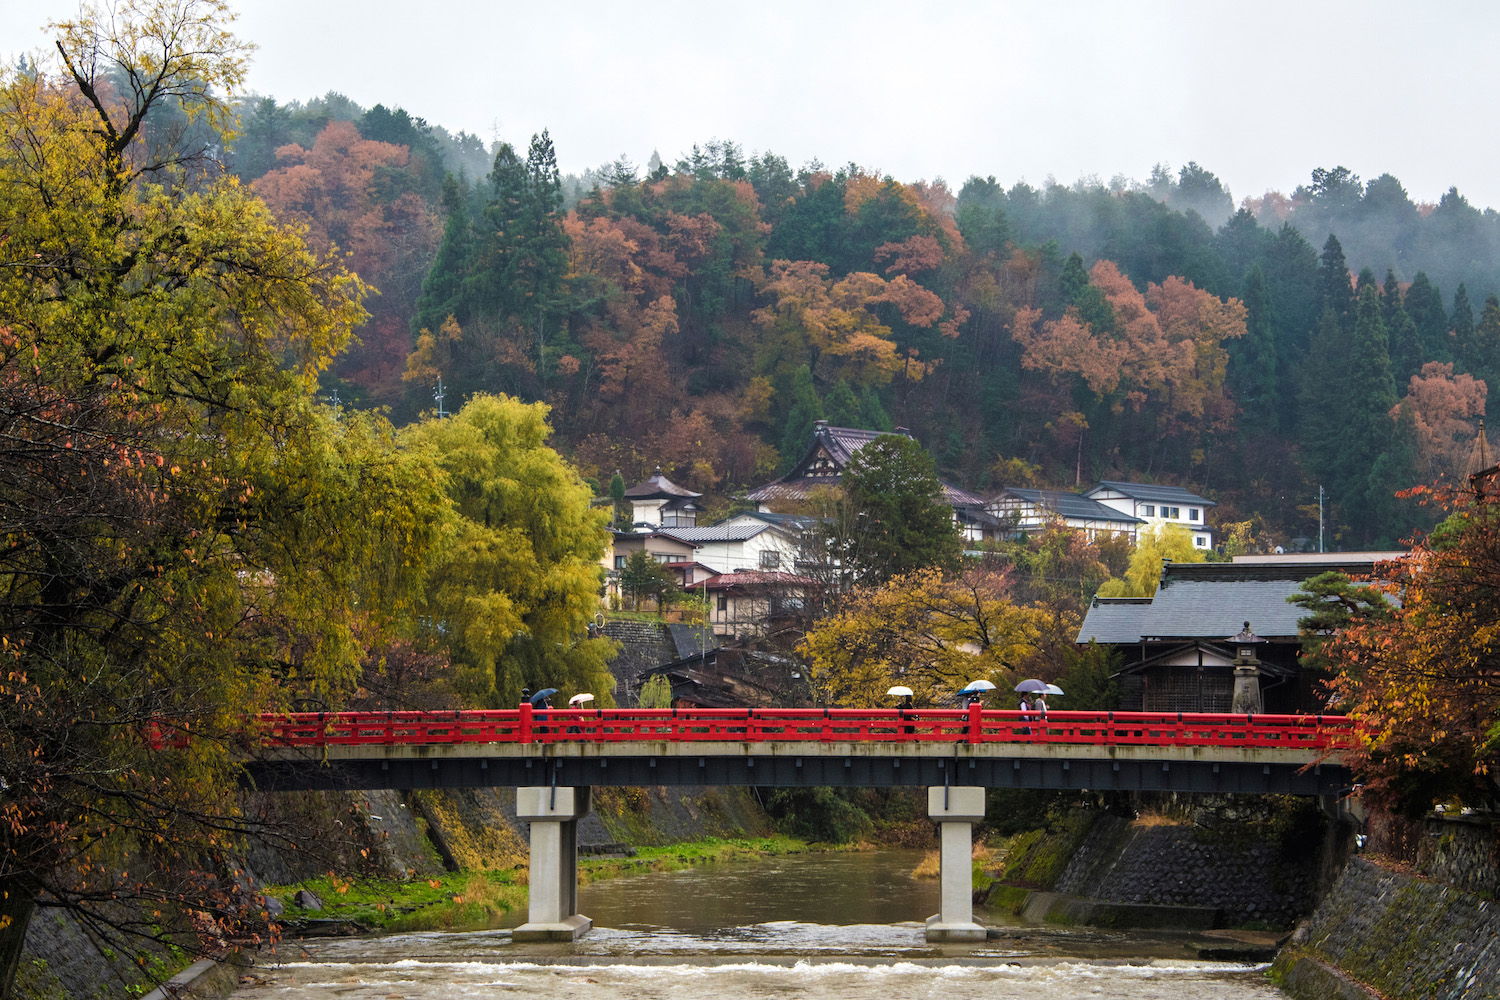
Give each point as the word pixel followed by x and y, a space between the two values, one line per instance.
pixel 1158 505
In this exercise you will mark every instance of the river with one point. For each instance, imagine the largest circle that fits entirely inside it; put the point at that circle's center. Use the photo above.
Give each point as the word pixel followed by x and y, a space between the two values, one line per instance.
pixel 842 926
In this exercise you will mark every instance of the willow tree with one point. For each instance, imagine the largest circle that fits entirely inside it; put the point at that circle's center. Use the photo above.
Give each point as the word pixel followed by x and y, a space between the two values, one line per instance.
pixel 187 536
pixel 517 574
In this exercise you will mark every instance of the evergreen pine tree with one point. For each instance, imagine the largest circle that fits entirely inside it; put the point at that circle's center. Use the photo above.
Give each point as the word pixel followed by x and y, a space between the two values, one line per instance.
pixel 1367 431
pixel 1392 519
pixel 802 408
pixel 1461 323
pixel 1252 366
pixel 1406 346
pixel 842 406
pixel 617 494
pixel 872 413
pixel 1424 304
pixel 442 289
pixel 1333 281
pixel 1487 352
pixel 1390 297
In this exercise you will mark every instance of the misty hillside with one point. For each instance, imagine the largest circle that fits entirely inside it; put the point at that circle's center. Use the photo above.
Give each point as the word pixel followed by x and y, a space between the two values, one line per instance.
pixel 700 314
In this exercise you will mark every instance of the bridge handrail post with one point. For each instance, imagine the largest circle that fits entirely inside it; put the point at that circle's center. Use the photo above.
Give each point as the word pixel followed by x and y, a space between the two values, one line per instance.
pixel 976 730
pixel 524 726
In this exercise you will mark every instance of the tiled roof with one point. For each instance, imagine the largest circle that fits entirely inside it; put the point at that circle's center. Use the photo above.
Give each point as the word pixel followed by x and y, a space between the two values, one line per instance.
pixel 790 522
pixel 752 578
pixel 1210 601
pixel 1067 505
pixel 716 533
pixel 955 497
pixel 692 640
pixel 659 487
pixel 843 442
pixel 1152 492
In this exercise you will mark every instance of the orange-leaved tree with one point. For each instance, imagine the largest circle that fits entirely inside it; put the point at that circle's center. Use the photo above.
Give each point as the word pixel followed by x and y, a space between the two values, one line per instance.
pixel 1425 679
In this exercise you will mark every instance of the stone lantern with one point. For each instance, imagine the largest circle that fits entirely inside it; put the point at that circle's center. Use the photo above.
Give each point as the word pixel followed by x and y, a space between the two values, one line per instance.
pixel 1246 665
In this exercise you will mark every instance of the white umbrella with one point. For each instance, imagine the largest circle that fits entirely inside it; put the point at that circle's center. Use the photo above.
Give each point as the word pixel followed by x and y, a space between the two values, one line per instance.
pixel 579 699
pixel 1054 689
pixel 899 692
pixel 977 686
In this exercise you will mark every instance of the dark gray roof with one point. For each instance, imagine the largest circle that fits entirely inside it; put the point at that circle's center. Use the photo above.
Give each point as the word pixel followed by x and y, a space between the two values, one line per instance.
pixel 1152 492
pixel 1068 505
pixel 1210 601
pixel 791 522
pixel 659 487
pixel 692 640
pixel 716 533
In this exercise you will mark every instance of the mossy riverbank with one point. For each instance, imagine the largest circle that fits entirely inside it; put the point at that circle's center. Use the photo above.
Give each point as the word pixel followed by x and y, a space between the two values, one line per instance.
pixel 472 900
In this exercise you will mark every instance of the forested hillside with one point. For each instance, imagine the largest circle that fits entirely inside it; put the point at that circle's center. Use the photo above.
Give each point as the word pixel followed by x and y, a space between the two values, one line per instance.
pixel 701 316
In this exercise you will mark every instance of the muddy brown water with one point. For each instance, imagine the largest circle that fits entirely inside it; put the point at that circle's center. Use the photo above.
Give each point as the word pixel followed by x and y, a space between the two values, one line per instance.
pixel 821 926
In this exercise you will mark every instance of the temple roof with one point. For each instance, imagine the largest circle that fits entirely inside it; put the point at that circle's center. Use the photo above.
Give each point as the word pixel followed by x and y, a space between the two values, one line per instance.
pixel 659 487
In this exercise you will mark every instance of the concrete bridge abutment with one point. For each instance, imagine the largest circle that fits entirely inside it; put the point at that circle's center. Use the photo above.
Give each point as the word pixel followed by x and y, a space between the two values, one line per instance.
pixel 553 813
pixel 956 810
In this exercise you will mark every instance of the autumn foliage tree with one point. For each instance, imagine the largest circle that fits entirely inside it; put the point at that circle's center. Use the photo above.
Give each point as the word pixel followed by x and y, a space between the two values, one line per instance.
pixel 188 535
pixel 1424 678
pixel 931 632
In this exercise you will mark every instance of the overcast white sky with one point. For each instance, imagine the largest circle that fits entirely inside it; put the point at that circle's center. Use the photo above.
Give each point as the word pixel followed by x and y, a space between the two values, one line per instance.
pixel 1260 93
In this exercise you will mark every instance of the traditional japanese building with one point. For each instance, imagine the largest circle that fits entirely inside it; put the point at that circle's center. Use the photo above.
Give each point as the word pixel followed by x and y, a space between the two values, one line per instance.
pixel 1179 646
pixel 829 450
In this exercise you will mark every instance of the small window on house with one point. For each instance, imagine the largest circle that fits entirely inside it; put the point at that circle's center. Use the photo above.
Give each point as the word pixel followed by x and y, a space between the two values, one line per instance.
pixel 1200 541
pixel 619 562
pixel 1171 512
pixel 663 557
pixel 1194 514
pixel 723 601
pixel 1148 510
pixel 770 559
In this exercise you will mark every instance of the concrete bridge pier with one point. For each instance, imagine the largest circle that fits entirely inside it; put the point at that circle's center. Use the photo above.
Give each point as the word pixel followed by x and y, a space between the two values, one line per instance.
pixel 553 813
pixel 956 809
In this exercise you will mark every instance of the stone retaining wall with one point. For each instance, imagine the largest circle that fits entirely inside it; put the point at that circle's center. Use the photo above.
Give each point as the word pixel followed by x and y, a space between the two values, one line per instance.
pixel 1245 874
pixel 1404 935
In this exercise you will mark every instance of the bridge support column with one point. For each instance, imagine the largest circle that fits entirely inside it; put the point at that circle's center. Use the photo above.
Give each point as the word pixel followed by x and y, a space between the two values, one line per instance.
pixel 553 905
pixel 956 811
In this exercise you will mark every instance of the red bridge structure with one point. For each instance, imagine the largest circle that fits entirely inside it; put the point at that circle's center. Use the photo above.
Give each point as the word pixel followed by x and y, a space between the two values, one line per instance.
pixel 555 756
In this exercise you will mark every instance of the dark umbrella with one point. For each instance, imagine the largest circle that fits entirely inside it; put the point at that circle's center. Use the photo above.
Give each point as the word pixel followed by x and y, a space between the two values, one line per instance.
pixel 1031 686
pixel 542 696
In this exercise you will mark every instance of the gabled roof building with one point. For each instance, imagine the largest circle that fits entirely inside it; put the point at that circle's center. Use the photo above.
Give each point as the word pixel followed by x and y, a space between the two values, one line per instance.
pixel 1177 645
pixel 1158 505
pixel 1020 509
pixel 821 466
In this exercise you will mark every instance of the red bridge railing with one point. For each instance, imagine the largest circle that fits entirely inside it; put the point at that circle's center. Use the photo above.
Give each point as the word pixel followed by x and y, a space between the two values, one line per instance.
pixel 812 725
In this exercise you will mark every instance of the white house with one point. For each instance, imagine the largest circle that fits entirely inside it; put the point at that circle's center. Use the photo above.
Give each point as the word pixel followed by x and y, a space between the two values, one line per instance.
pixel 1029 510
pixel 751 541
pixel 1158 505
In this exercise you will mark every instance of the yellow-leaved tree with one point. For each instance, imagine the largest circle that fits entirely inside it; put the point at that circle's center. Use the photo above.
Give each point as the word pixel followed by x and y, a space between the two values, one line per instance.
pixel 517 573
pixel 931 632
pixel 1153 546
pixel 189 536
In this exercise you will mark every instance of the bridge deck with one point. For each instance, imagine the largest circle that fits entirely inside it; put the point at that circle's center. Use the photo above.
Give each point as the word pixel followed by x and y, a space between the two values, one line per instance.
pixel 800 747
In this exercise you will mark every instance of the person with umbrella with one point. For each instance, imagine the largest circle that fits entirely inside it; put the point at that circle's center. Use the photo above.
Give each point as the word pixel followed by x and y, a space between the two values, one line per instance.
pixel 1031 691
pixel 541 700
pixel 905 694
pixel 975 690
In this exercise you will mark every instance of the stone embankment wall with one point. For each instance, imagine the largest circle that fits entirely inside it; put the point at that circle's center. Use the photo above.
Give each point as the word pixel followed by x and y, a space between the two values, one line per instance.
pixel 1432 933
pixel 1233 865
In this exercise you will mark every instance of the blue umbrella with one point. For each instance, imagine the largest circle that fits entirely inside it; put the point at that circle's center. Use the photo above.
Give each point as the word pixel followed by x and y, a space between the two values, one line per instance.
pixel 542 695
pixel 975 687
pixel 1032 686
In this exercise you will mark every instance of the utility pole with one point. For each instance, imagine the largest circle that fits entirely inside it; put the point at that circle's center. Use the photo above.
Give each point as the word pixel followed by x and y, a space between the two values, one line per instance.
pixel 1320 518
pixel 438 395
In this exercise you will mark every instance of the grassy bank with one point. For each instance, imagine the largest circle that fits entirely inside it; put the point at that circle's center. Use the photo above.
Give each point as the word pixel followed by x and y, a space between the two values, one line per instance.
pixel 474 900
